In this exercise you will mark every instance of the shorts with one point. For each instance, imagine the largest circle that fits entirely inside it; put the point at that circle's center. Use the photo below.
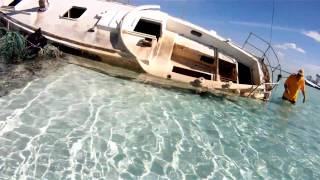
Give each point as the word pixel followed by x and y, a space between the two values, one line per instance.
pixel 292 102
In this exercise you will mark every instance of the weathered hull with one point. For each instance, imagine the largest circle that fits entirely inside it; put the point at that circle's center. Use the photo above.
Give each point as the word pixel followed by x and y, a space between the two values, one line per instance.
pixel 110 56
pixel 119 46
pixel 116 58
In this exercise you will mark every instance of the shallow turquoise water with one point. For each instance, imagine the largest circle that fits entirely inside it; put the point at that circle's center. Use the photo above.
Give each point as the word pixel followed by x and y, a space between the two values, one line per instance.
pixel 80 124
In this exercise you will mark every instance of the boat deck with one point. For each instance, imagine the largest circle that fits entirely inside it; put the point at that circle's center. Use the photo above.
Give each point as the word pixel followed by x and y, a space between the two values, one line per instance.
pixel 75 30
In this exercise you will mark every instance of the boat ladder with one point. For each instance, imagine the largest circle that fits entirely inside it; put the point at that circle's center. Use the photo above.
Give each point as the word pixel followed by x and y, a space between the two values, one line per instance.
pixel 268 58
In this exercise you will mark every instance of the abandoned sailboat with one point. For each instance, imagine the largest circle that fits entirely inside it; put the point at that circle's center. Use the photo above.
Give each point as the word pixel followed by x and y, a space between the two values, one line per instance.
pixel 146 39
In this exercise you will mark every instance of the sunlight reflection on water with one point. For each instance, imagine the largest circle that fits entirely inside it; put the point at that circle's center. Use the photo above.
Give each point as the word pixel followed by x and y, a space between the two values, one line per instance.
pixel 77 123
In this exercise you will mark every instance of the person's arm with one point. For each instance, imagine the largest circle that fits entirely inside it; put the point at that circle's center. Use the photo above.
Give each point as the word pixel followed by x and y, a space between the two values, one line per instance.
pixel 303 92
pixel 286 89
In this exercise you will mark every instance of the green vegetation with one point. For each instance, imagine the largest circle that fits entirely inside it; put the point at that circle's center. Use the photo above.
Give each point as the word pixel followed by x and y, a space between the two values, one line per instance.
pixel 12 46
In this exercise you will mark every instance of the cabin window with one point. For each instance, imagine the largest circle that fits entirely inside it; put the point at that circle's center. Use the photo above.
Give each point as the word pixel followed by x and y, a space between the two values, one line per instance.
pixel 196 33
pixel 75 12
pixel 191 73
pixel 14 3
pixel 207 59
pixel 227 71
pixel 148 27
pixel 244 74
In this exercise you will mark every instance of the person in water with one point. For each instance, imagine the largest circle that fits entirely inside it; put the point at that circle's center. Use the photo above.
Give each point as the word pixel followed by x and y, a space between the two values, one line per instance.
pixel 293 84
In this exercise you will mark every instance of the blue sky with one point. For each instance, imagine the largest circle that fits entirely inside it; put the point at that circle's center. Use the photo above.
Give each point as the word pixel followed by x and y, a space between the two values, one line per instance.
pixel 296 26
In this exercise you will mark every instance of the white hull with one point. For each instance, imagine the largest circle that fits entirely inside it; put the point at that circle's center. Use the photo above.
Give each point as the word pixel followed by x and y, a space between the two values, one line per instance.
pixel 145 39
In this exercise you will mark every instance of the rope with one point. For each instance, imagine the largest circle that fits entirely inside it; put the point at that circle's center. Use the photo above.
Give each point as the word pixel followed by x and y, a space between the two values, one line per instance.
pixel 32 45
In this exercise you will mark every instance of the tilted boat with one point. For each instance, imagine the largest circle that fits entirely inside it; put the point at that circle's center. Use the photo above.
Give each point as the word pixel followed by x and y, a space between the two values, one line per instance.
pixel 146 39
pixel 311 84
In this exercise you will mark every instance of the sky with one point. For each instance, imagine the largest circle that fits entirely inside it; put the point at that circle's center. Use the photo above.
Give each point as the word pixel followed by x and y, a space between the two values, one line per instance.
pixel 295 33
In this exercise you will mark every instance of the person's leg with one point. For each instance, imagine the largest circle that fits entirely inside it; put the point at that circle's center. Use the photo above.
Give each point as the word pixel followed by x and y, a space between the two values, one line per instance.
pixel 292 102
pixel 284 98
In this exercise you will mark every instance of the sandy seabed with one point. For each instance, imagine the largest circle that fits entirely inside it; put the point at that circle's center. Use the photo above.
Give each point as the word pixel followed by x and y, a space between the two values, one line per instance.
pixel 14 76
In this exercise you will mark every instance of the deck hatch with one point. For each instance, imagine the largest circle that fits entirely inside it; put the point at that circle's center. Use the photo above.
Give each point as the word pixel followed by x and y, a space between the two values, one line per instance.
pixel 191 73
pixel 14 3
pixel 75 12
pixel 148 27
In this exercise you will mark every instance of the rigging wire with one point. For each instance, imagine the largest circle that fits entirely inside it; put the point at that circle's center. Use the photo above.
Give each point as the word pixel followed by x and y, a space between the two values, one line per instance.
pixel 271 32
pixel 271 35
pixel 272 19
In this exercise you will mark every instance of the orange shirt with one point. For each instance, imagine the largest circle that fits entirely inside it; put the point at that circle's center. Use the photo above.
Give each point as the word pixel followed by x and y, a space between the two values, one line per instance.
pixel 294 85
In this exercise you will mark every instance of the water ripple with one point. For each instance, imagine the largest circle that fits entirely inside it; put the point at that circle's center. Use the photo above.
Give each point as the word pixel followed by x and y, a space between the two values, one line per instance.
pixel 79 124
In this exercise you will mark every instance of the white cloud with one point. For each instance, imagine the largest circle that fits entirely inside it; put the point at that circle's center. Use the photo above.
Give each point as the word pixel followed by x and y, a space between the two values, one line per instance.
pixel 292 65
pixel 213 32
pixel 313 34
pixel 264 25
pixel 287 62
pixel 292 46
pixel 280 55
pixel 311 69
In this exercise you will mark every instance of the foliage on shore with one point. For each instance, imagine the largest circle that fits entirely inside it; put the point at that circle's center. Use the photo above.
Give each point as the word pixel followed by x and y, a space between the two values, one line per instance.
pixel 18 66
pixel 12 46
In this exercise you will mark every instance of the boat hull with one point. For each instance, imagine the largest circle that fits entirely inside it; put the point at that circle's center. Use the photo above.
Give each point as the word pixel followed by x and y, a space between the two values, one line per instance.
pixel 120 59
pixel 99 46
pixel 110 56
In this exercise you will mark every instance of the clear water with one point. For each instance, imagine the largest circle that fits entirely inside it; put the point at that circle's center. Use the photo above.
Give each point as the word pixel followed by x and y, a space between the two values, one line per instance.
pixel 80 124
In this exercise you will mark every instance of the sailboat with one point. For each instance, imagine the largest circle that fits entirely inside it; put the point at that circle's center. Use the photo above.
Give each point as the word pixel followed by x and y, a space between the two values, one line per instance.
pixel 147 40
